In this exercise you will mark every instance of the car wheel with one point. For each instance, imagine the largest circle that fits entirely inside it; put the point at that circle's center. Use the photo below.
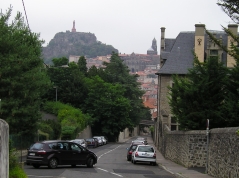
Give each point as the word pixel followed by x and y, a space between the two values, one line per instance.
pixel 53 163
pixel 36 166
pixel 134 161
pixel 90 162
pixel 128 158
pixel 73 165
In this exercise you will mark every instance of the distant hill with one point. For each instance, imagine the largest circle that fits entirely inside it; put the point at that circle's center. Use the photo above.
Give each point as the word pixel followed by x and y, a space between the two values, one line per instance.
pixel 69 43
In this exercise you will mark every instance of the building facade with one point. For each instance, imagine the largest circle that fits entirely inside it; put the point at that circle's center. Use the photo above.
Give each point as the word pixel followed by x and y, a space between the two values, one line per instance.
pixel 176 57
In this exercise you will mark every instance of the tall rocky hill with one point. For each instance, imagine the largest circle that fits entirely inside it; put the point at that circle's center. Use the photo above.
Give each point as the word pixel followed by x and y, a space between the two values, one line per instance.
pixel 69 43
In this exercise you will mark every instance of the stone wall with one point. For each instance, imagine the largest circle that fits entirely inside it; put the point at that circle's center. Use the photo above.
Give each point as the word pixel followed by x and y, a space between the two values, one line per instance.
pixel 86 133
pixel 224 153
pixel 186 148
pixel 4 149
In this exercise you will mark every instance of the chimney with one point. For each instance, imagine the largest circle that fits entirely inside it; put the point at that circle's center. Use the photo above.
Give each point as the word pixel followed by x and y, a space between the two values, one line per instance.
pixel 233 29
pixel 162 39
pixel 199 41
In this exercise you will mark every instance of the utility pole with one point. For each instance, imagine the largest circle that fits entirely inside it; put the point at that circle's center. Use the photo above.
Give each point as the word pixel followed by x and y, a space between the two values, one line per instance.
pixel 207 133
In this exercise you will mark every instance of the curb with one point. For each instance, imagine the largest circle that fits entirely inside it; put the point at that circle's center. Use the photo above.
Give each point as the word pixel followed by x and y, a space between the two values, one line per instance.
pixel 177 175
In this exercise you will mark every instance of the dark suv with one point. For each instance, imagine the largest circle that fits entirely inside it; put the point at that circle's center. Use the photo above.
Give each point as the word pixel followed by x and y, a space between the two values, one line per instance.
pixel 57 152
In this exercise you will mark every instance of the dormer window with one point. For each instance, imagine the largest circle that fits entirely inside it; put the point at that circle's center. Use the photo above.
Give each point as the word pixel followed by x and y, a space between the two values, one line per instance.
pixel 214 52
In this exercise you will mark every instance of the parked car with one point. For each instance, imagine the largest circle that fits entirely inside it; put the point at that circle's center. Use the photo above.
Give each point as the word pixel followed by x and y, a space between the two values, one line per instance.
pixel 57 152
pixel 92 142
pixel 144 153
pixel 81 141
pixel 131 150
pixel 100 141
pixel 143 139
pixel 104 140
pixel 138 141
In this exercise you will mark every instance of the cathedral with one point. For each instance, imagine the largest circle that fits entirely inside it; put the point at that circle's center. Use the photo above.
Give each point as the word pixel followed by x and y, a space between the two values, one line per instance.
pixel 139 62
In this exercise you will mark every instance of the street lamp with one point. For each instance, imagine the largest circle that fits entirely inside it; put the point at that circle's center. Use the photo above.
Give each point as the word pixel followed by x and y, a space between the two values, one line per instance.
pixel 56 92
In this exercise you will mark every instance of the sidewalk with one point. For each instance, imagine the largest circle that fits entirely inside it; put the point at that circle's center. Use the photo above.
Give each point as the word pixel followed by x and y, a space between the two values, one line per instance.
pixel 176 169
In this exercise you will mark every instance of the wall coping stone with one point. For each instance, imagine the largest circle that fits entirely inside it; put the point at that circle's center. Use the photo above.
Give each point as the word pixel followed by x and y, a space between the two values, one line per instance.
pixel 191 132
pixel 225 130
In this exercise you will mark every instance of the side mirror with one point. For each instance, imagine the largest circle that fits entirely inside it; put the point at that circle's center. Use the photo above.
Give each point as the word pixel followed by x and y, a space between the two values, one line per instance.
pixel 127 148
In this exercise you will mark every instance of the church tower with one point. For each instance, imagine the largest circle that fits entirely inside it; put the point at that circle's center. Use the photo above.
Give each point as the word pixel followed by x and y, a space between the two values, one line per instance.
pixel 73 29
pixel 154 45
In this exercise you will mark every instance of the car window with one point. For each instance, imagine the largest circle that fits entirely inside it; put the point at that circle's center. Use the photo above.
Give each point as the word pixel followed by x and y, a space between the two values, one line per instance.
pixel 62 146
pixel 37 146
pixel 75 147
pixel 52 146
pixel 145 149
pixel 133 147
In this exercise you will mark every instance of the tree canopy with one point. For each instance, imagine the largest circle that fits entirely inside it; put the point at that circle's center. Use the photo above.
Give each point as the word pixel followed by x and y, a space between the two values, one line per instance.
pixel 22 80
pixel 200 95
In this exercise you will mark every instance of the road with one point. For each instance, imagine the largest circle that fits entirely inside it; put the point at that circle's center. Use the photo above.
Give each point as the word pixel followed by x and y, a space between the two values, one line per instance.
pixel 112 163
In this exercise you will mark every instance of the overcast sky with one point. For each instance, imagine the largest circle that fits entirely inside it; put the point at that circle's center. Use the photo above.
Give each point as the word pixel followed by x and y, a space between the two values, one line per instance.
pixel 127 25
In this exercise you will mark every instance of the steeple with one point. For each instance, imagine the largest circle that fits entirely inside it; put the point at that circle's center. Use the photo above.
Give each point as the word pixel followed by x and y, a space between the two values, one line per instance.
pixel 154 45
pixel 73 29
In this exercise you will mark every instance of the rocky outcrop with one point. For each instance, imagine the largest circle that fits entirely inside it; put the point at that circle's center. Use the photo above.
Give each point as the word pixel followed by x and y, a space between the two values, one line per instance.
pixel 75 43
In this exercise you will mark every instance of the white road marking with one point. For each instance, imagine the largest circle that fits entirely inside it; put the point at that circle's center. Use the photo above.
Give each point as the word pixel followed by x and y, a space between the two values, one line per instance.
pixel 45 176
pixel 108 152
pixel 116 174
pixel 105 154
pixel 102 169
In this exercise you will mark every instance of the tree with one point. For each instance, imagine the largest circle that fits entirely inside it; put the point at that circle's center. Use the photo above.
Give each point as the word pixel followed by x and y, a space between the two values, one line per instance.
pixel 82 65
pixel 118 73
pixel 231 102
pixel 23 79
pixel 60 61
pixel 70 85
pixel 200 95
pixel 106 104
pixel 231 8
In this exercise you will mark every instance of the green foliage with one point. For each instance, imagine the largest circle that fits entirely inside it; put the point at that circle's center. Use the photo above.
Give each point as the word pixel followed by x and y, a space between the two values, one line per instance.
pixel 231 103
pixel 116 72
pixel 22 80
pixel 151 128
pixel 13 161
pixel 69 83
pixel 14 169
pixel 72 120
pixel 82 65
pixel 200 95
pixel 17 172
pixel 60 61
pixel 230 7
pixel 107 105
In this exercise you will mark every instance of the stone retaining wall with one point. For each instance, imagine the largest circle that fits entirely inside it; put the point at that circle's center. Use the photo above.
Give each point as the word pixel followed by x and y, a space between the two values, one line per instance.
pixel 224 153
pixel 186 148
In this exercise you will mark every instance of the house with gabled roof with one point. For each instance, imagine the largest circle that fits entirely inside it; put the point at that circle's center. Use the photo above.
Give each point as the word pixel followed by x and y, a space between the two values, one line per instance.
pixel 176 57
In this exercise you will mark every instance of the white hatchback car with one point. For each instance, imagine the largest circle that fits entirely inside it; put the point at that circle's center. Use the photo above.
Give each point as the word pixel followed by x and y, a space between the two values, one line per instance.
pixel 144 153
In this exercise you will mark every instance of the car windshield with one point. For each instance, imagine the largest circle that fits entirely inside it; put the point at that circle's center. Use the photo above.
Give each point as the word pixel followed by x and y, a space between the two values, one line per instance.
pixel 145 149
pixel 37 146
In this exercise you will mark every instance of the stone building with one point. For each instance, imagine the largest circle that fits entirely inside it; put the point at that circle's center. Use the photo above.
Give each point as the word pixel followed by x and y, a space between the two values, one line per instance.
pixel 176 57
pixel 139 62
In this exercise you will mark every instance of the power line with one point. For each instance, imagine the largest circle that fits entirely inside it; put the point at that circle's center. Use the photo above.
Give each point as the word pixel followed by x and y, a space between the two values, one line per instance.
pixel 25 14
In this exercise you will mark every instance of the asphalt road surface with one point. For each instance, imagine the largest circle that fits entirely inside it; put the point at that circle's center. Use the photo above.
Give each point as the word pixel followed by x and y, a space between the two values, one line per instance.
pixel 112 163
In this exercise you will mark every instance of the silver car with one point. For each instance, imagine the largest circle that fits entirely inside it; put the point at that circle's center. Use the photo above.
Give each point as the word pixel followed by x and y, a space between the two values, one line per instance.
pixel 100 141
pixel 81 142
pixel 144 153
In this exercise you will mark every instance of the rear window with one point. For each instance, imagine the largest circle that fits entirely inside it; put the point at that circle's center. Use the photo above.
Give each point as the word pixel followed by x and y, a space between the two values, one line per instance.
pixel 145 149
pixel 37 146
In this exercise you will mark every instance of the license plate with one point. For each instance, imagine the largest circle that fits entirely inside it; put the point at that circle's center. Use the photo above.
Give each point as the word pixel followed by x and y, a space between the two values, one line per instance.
pixel 32 154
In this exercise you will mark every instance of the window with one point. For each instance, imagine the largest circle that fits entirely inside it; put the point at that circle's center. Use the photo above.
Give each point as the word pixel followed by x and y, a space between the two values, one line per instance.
pixel 75 147
pixel 213 52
